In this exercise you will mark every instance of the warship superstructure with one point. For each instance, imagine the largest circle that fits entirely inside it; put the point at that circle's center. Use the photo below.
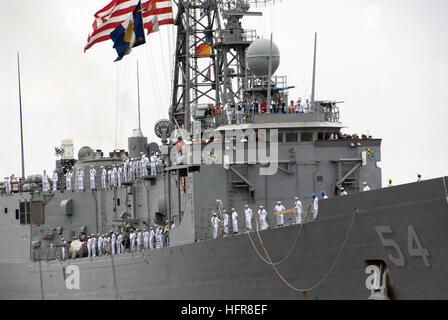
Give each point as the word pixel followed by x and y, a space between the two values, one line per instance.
pixel 387 243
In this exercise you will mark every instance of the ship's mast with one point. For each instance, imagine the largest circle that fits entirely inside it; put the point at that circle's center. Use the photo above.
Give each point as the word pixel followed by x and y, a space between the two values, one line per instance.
pixel 21 127
pixel 314 70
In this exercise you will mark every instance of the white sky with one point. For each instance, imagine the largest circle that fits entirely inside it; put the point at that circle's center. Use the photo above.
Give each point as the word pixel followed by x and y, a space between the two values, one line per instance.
pixel 386 59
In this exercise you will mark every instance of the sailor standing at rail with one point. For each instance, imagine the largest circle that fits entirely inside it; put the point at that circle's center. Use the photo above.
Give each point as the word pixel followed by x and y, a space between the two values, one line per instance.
pixel 100 245
pixel 131 169
pixel 125 170
pixel 68 180
pixel 114 175
pixel 92 173
pixel 139 240
pixel 132 240
pixel 234 221
pixel 45 182
pixel 120 248
pixel 263 214
pixel 103 178
pixel 248 214
pixel 55 179
pixel 279 208
pixel 145 239
pixel 152 236
pixel 315 205
pixel 80 177
pixel 215 224
pixel 239 112
pixel 89 246
pixel 225 217
pixel 366 187
pixel 109 177
pixel 119 175
pixel 324 195
pixel 143 163
pixel 158 237
pixel 153 161
pixel 228 109
pixel 94 245
pixel 113 242
pixel 298 206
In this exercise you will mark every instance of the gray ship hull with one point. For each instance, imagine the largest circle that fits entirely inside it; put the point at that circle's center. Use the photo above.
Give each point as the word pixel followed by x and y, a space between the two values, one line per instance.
pixel 230 268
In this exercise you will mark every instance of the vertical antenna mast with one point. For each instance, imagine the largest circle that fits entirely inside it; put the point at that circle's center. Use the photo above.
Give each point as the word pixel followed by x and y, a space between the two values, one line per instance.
pixel 21 128
pixel 314 69
pixel 138 93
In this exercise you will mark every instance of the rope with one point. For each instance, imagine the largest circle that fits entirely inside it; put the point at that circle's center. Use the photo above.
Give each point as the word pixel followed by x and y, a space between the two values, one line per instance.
pixel 290 250
pixel 329 270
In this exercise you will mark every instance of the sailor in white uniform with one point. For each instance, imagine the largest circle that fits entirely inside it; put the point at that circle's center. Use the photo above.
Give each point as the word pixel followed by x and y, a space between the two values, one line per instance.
pixel 343 192
pixel 109 177
pixel 89 246
pixel 366 187
pixel 159 237
pixel 248 214
pixel 103 178
pixel 120 247
pixel 234 221
pixel 215 224
pixel 113 243
pixel 132 240
pixel 139 240
pixel 145 239
pixel 153 162
pixel 94 245
pixel 263 214
pixel 68 180
pixel 229 112
pixel 298 206
pixel 119 175
pixel 225 217
pixel 143 163
pixel 100 245
pixel 315 205
pixel 114 176
pixel 279 208
pixel 45 182
pixel 80 178
pixel 152 236
pixel 92 173
pixel 54 180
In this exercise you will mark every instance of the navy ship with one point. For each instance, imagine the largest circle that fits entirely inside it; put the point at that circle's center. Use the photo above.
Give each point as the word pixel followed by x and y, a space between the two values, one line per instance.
pixel 384 243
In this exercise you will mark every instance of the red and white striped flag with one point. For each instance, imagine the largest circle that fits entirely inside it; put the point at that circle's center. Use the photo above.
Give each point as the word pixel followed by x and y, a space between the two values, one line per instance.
pixel 108 18
pixel 155 13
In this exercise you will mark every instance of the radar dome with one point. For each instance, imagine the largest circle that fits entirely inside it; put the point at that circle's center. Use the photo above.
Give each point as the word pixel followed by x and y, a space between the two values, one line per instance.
pixel 84 152
pixel 258 57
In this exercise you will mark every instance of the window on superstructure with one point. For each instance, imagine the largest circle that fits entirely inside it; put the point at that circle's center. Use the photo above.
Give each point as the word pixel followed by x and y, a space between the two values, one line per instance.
pixel 306 136
pixel 291 137
pixel 25 212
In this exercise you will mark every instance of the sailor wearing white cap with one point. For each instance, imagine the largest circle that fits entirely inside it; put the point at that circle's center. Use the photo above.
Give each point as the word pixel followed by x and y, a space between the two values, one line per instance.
pixel 119 175
pixel 94 245
pixel 279 208
pixel 100 244
pixel 225 217
pixel 114 176
pixel 234 221
pixel 145 239
pixel 143 163
pixel 343 192
pixel 89 246
pixel 263 214
pixel 92 177
pixel 152 235
pixel 153 161
pixel 215 224
pixel 132 240
pixel 248 214
pixel 298 206
pixel 55 179
pixel 80 179
pixel 68 179
pixel 366 187
pixel 103 178
pixel 139 240
pixel 120 247
pixel 45 182
pixel 113 242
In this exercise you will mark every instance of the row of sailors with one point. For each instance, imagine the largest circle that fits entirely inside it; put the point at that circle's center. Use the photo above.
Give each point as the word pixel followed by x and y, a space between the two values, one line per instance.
pixel 113 177
pixel 114 243
pixel 262 216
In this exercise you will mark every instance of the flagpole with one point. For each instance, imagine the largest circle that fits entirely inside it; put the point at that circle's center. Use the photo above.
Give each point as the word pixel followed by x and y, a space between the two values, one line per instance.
pixel 138 93
pixel 21 127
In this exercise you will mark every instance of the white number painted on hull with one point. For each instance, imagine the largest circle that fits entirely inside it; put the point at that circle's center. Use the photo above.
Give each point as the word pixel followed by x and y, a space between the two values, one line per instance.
pixel 399 260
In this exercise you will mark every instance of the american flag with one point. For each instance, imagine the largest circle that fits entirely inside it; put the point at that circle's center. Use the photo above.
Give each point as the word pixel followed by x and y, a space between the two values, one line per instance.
pixel 155 14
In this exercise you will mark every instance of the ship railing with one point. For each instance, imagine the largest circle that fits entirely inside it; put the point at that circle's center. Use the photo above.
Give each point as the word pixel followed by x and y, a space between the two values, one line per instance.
pixel 260 83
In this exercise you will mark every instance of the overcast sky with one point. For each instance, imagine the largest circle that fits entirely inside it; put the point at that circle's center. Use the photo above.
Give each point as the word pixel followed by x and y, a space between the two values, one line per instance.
pixel 386 59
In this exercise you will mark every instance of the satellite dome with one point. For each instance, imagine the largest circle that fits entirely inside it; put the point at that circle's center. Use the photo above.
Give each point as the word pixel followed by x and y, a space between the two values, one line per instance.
pixel 84 152
pixel 258 57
